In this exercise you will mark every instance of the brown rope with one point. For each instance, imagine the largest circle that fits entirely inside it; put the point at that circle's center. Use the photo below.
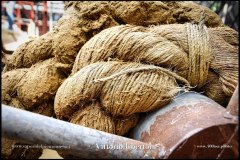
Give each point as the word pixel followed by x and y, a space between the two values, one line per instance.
pixel 199 53
pixel 133 70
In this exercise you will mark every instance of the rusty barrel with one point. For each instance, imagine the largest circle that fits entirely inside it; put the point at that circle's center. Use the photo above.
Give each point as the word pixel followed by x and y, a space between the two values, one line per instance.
pixel 191 126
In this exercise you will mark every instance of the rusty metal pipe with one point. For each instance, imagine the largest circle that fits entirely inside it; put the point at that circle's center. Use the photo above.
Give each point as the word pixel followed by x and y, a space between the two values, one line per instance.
pixel 73 139
pixel 190 126
pixel 233 105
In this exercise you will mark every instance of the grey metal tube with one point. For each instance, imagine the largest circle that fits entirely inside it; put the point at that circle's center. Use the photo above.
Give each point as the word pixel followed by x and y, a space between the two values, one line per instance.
pixel 77 140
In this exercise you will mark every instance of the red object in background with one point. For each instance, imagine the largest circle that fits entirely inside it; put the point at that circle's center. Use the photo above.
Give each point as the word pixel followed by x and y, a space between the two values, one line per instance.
pixel 44 20
pixel 30 14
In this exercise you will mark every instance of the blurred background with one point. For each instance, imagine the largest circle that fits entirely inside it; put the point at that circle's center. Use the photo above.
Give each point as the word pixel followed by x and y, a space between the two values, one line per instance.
pixel 22 20
pixel 227 10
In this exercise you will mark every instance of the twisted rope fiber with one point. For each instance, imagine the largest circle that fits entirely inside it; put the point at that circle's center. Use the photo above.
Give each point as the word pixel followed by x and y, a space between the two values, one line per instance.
pixel 108 96
pixel 126 90
pixel 149 68
pixel 200 53
pixel 126 70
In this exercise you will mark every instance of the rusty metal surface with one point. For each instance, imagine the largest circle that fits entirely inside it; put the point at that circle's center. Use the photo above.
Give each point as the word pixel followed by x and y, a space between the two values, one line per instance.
pixel 187 115
pixel 233 105
pixel 74 140
pixel 217 142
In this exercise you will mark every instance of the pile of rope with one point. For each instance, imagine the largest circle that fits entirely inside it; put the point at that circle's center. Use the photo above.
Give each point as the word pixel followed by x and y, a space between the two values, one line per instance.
pixel 127 69
pixel 107 62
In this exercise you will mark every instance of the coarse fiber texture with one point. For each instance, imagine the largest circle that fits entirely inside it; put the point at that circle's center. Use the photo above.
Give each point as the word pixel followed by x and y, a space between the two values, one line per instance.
pixel 83 20
pixel 40 83
pixel 120 89
pixel 31 52
pixel 38 67
pixel 182 52
pixel 146 13
pixel 35 85
pixel 190 50
pixel 122 126
pixel 94 117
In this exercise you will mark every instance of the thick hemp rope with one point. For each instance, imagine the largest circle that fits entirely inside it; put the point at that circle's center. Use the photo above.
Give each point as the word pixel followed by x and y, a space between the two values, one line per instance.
pixel 120 89
pixel 189 50
pixel 126 70
pixel 164 46
pixel 199 53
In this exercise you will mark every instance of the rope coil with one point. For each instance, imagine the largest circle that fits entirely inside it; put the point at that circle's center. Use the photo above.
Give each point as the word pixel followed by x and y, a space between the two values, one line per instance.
pixel 200 53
